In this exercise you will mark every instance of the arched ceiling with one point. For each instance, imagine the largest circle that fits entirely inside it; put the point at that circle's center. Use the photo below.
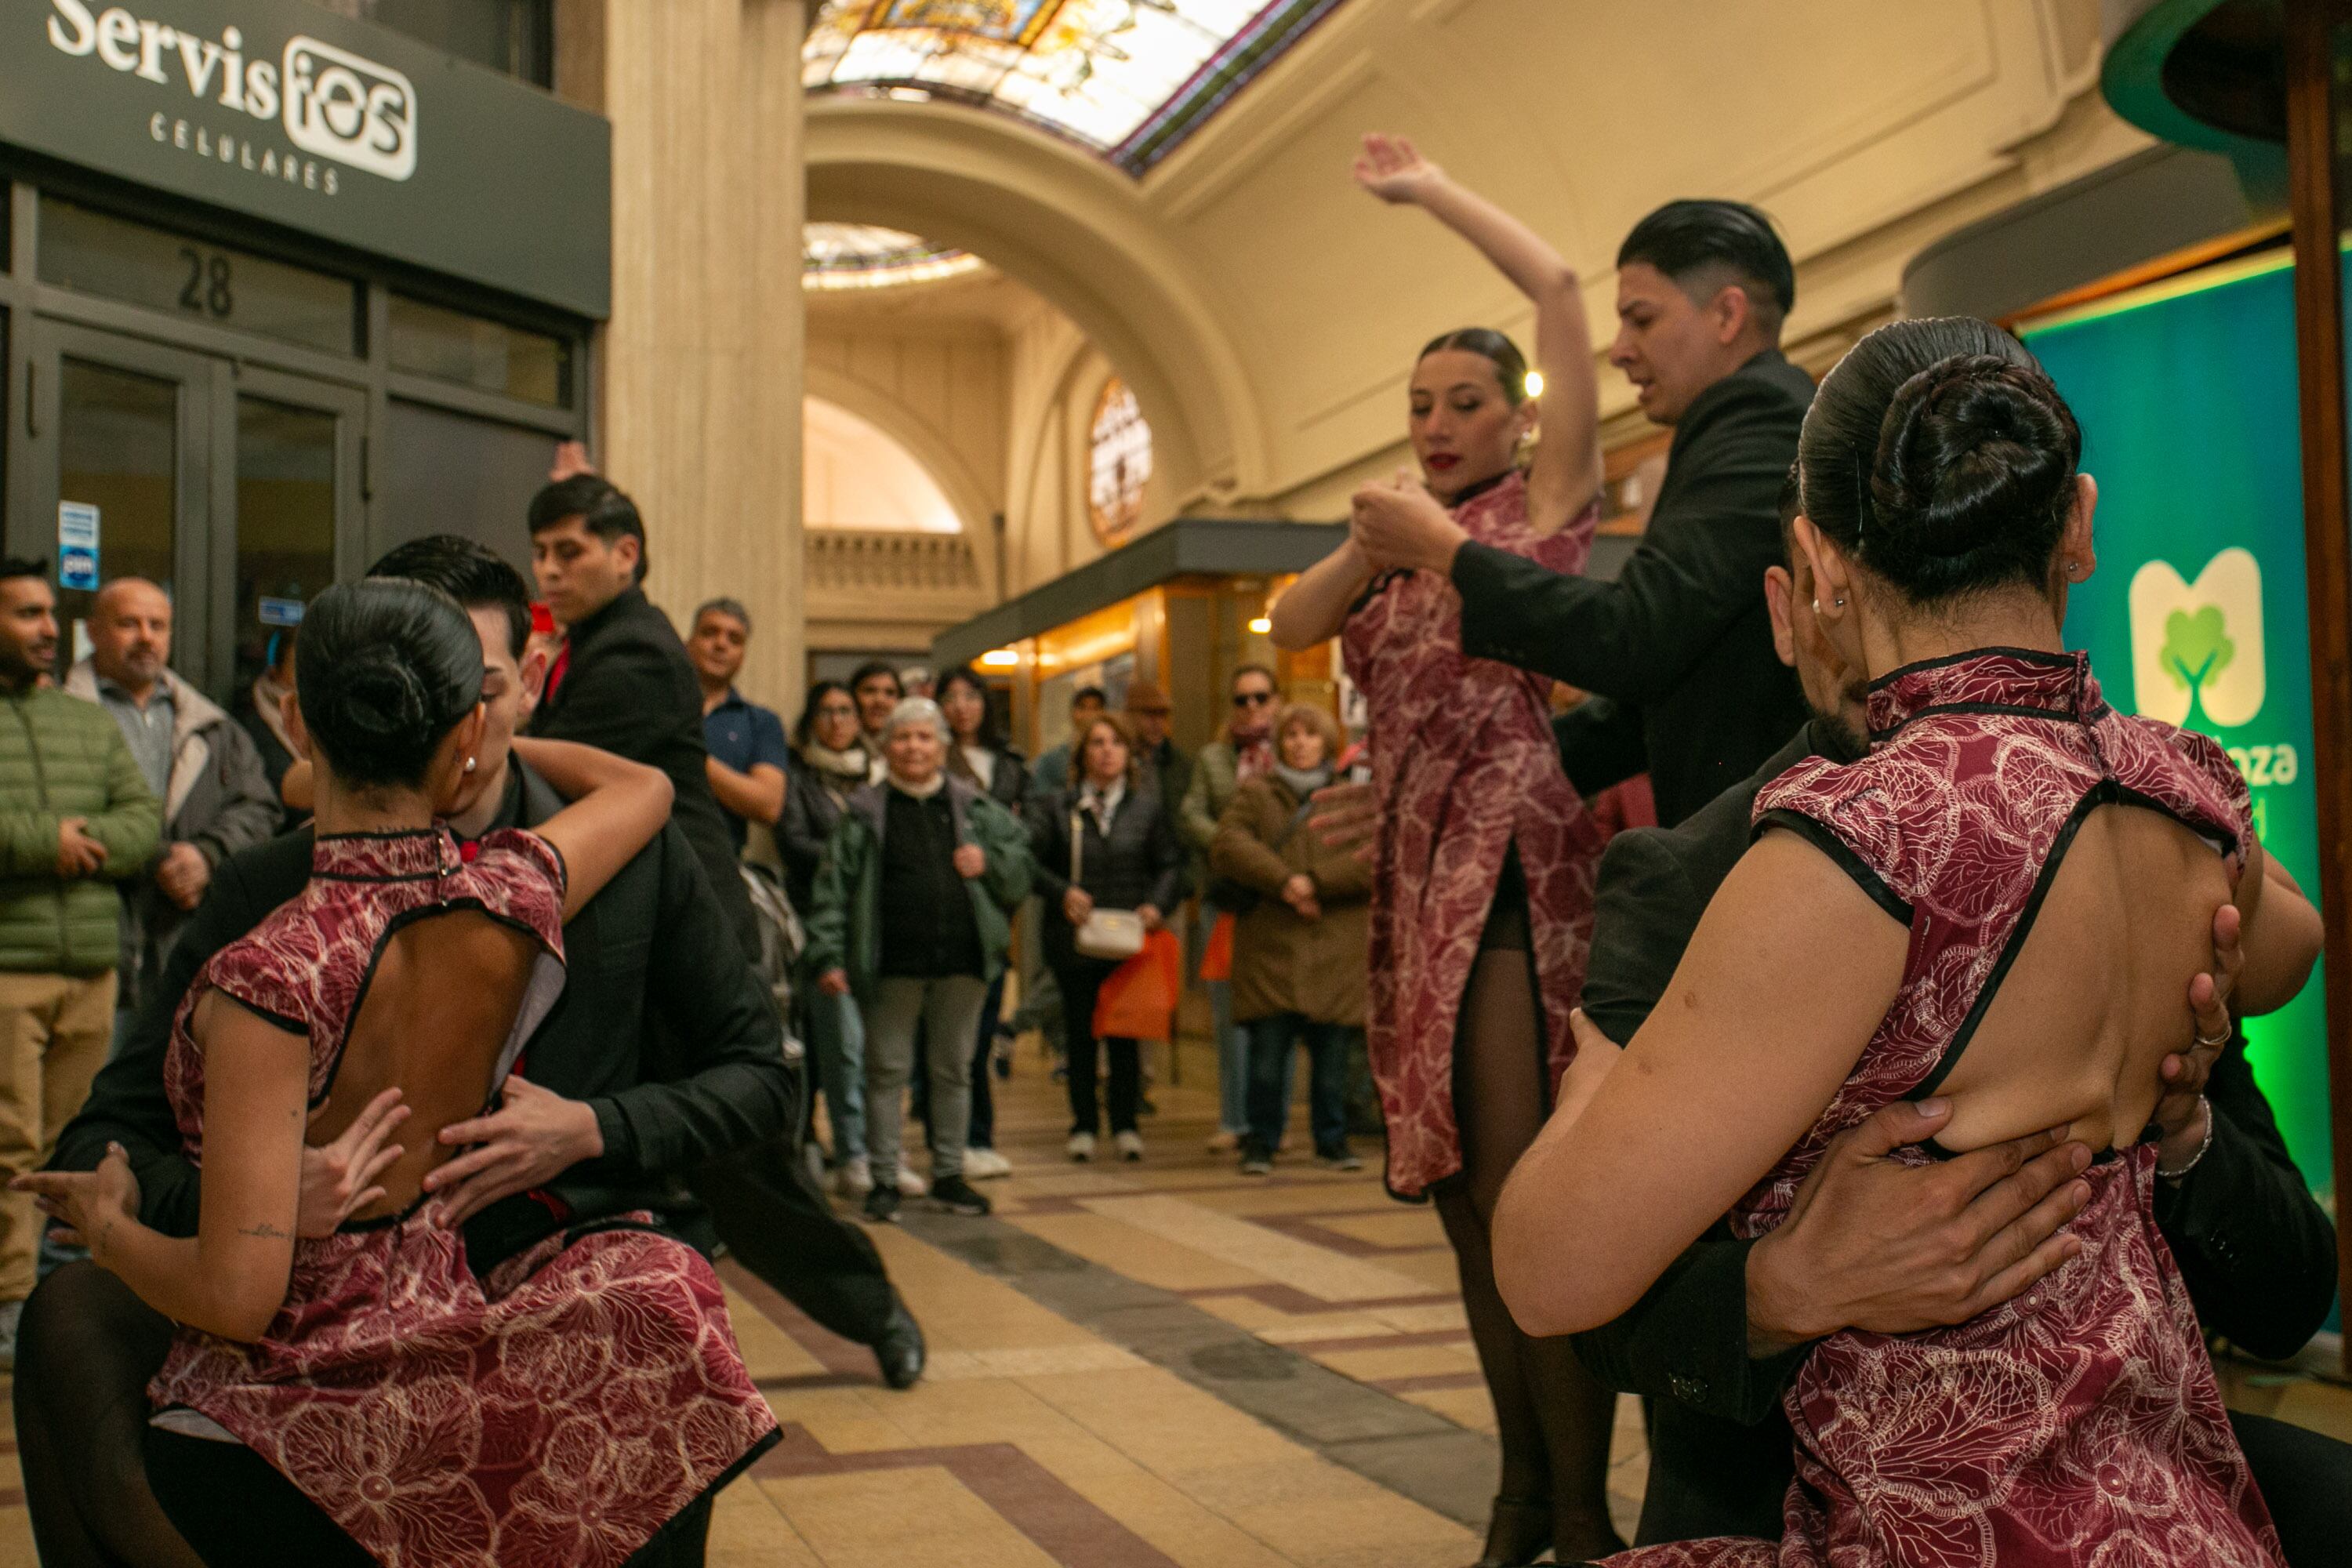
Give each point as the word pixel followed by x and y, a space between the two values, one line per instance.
pixel 1073 230
pixel 1127 79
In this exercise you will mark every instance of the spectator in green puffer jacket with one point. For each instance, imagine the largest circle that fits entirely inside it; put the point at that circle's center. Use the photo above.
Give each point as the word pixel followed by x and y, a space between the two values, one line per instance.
pixel 76 816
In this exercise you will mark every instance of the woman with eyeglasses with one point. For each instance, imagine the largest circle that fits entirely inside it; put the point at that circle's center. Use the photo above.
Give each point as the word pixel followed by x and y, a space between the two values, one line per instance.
pixel 1244 752
pixel 1485 867
pixel 835 763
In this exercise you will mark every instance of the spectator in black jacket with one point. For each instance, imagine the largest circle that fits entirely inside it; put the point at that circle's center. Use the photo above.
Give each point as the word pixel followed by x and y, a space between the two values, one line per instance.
pixel 1872 1242
pixel 1103 842
pixel 984 758
pixel 1678 644
pixel 621 679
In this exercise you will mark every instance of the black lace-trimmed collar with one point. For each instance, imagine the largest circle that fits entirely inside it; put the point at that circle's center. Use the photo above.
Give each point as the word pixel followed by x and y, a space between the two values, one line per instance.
pixel 2020 681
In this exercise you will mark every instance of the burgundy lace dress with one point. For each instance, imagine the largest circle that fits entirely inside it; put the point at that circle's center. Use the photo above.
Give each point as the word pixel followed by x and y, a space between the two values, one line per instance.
pixel 558 1413
pixel 2080 1424
pixel 1465 765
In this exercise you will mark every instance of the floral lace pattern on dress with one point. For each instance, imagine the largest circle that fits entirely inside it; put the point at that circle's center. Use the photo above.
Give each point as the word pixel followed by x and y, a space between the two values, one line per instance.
pixel 1465 765
pixel 560 1413
pixel 2079 1424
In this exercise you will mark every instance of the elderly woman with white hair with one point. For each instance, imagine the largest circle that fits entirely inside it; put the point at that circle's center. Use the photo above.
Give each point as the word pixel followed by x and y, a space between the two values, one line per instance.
pixel 890 926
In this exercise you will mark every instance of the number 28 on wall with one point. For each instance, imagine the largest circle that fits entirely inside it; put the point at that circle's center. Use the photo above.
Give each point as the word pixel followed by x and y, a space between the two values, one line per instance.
pixel 206 291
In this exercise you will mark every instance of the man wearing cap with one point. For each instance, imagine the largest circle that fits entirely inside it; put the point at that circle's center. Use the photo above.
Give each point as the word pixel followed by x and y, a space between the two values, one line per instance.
pixel 1168 766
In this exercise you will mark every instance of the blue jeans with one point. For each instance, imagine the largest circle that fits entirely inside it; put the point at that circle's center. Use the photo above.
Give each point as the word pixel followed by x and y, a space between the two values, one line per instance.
pixel 1270 1043
pixel 836 1044
pixel 1232 1043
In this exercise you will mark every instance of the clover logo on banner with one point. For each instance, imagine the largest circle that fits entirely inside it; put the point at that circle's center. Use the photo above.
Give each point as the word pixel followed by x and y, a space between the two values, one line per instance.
pixel 2197 647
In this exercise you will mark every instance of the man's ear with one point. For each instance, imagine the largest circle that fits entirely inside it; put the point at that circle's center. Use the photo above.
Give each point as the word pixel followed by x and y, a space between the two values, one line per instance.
pixel 1780 599
pixel 291 711
pixel 632 554
pixel 1731 312
pixel 534 679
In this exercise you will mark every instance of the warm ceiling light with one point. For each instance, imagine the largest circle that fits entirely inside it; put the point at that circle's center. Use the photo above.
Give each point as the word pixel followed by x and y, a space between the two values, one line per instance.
pixel 1535 383
pixel 1262 626
pixel 1000 659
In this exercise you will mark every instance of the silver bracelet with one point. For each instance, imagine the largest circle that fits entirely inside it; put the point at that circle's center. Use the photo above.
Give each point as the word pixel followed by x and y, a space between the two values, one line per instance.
pixel 2206 1106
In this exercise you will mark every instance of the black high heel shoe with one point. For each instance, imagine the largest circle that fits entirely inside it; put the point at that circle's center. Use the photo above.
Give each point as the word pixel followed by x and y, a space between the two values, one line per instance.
pixel 1518 1532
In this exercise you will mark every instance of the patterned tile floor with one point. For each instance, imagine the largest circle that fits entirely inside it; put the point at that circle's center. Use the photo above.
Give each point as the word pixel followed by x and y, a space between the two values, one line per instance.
pixel 1144 1366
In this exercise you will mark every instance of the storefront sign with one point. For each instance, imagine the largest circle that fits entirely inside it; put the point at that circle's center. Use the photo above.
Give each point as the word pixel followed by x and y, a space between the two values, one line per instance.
pixel 2196 614
pixel 284 111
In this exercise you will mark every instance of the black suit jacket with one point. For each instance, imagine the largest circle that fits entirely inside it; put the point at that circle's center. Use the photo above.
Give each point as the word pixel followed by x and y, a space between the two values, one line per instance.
pixel 1681 643
pixel 662 1027
pixel 629 689
pixel 2258 1256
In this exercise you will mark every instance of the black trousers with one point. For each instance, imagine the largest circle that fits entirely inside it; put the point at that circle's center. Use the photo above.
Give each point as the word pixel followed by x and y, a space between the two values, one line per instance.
pixel 1081 982
pixel 764 1205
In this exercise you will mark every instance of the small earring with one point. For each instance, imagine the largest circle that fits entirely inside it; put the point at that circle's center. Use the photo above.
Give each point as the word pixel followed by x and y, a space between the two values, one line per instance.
pixel 2073 569
pixel 469 764
pixel 1817 609
pixel 1839 601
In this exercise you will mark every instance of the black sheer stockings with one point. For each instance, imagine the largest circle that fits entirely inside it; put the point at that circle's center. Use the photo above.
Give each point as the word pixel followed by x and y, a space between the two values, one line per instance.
pixel 1552 1419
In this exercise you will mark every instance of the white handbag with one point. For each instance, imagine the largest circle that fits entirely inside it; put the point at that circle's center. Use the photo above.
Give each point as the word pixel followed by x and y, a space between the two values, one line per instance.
pixel 1111 934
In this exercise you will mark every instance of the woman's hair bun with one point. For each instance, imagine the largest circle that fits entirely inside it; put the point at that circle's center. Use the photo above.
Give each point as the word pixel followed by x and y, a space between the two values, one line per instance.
pixel 387 667
pixel 1969 447
pixel 1941 455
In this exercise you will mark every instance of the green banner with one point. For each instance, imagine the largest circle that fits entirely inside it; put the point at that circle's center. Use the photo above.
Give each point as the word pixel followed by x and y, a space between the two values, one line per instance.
pixel 2186 391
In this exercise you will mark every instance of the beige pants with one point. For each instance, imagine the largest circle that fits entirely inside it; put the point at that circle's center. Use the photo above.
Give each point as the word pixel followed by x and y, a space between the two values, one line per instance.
pixel 54 1030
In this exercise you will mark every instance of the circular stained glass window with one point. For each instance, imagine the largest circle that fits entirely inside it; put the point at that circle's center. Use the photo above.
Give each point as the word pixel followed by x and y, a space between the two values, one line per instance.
pixel 1119 464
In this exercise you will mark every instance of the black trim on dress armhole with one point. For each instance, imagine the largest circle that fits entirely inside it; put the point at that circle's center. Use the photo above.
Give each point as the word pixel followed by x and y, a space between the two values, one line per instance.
pixel 1820 836
pixel 2106 791
pixel 275 1020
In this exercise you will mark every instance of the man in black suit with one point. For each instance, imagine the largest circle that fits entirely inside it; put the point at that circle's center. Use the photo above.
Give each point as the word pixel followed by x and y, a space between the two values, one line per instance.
pixel 1871 1244
pixel 660 1064
pixel 622 681
pixel 1678 644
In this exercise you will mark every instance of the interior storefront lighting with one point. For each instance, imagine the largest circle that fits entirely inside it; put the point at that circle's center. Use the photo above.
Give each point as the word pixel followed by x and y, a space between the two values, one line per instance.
pixel 1001 658
pixel 1535 383
pixel 1262 625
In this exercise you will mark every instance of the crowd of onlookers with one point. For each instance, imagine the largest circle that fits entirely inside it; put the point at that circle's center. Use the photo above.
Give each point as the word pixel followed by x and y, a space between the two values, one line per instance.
pixel 932 863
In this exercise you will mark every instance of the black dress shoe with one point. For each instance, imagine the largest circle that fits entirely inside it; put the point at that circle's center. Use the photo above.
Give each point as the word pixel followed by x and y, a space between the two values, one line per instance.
pixel 1518 1534
pixel 900 1348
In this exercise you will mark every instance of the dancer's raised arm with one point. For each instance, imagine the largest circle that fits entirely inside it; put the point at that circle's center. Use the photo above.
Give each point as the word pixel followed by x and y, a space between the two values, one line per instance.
pixel 1567 468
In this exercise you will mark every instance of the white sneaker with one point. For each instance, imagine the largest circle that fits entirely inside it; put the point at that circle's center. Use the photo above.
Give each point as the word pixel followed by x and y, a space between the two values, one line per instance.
pixel 985 1165
pixel 855 1179
pixel 1130 1145
pixel 911 1186
pixel 1082 1147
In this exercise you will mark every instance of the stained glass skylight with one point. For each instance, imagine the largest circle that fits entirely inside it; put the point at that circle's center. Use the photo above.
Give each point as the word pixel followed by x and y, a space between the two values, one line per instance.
pixel 1130 78
pixel 862 256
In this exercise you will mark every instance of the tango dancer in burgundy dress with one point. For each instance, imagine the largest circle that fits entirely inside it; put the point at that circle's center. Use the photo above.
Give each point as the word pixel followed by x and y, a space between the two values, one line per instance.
pixel 1483 880
pixel 1985 908
pixel 363 1396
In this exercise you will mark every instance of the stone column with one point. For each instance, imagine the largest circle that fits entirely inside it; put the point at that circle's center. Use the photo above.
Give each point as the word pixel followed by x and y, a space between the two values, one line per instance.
pixel 699 370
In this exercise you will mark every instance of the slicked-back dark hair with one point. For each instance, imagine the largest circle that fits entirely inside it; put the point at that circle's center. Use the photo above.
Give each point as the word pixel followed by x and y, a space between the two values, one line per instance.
pixel 1686 239
pixel 23 566
pixel 475 576
pixel 1938 455
pixel 389 666
pixel 1495 348
pixel 602 507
